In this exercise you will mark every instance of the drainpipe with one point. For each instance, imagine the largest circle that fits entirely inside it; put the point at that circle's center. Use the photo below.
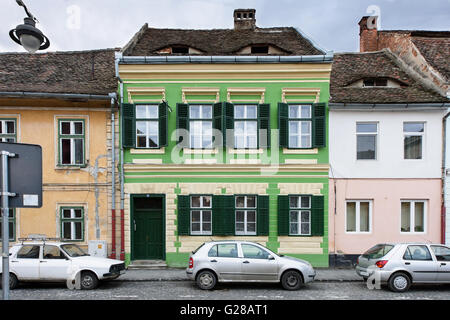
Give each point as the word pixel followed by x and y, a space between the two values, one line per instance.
pixel 113 176
pixel 122 213
pixel 444 147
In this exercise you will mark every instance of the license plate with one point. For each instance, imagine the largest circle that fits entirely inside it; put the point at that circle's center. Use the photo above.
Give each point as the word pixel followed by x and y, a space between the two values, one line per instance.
pixel 364 273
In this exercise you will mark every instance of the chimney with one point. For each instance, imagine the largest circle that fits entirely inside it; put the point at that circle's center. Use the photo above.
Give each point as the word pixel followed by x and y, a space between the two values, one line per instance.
pixel 368 34
pixel 244 19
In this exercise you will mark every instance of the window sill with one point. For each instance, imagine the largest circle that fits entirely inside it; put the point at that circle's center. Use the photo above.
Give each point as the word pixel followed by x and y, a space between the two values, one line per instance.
pixel 200 151
pixel 245 151
pixel 300 151
pixel 161 150
pixel 70 167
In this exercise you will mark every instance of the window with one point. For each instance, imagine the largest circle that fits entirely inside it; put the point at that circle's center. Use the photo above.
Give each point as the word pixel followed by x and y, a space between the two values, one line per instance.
pixel 12 224
pixel 200 126
pixel 201 215
pixel 71 142
pixel 300 215
pixel 358 216
pixel 7 130
pixel 147 126
pixel 413 216
pixel 413 133
pixel 28 252
pixel 180 50
pixel 375 82
pixel 72 223
pixel 245 215
pixel 227 250
pixel 300 126
pixel 378 251
pixel 53 252
pixel 366 140
pixel 245 127
pixel 261 49
pixel 417 252
pixel 253 252
pixel 442 253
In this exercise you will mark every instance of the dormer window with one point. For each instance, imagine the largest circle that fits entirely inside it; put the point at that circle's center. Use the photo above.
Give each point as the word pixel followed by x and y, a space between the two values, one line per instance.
pixel 260 49
pixel 375 82
pixel 180 49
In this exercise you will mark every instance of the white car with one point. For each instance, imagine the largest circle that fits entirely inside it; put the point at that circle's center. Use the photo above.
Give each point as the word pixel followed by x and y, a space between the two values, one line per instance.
pixel 54 261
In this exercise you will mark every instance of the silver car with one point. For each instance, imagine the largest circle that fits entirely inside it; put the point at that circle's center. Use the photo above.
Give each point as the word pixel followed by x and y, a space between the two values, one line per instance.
pixel 402 264
pixel 242 261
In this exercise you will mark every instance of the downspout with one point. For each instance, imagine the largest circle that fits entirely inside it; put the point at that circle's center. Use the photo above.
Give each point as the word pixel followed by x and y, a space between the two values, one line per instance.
pixel 113 177
pixel 122 205
pixel 444 147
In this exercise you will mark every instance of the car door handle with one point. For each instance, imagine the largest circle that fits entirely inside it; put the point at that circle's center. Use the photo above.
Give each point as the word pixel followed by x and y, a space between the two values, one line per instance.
pixel 407 263
pixel 443 264
pixel 43 261
pixel 246 261
pixel 14 261
pixel 213 260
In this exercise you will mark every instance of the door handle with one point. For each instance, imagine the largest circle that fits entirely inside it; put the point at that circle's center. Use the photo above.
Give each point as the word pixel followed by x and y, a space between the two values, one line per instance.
pixel 14 261
pixel 213 260
pixel 407 263
pixel 134 221
pixel 443 264
pixel 246 261
pixel 43 261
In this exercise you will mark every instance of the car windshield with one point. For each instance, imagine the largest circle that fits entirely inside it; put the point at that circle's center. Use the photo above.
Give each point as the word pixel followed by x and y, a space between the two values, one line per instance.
pixel 73 250
pixel 378 251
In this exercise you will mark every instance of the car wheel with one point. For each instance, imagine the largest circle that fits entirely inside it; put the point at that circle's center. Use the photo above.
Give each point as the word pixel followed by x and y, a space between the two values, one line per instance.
pixel 88 280
pixel 206 280
pixel 291 280
pixel 13 281
pixel 399 282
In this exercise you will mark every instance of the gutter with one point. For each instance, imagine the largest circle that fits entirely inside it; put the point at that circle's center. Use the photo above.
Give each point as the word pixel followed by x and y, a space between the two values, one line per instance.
pixel 444 173
pixel 48 95
pixel 113 174
pixel 388 106
pixel 326 58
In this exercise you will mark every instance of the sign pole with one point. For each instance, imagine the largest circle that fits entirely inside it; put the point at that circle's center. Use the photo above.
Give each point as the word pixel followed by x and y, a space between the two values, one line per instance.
pixel 5 224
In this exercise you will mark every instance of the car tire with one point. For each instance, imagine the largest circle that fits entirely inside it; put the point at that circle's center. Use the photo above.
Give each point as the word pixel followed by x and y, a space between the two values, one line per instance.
pixel 206 280
pixel 399 282
pixel 13 281
pixel 292 280
pixel 88 280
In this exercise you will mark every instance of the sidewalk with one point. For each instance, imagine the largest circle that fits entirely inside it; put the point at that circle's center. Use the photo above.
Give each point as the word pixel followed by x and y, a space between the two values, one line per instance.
pixel 178 274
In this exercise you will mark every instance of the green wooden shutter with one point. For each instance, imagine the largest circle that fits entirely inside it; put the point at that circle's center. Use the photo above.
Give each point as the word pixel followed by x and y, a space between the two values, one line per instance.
pixel 218 122
pixel 283 118
pixel 264 124
pixel 184 215
pixel 163 124
pixel 262 220
pixel 223 215
pixel 319 125
pixel 128 125
pixel 183 122
pixel 283 215
pixel 317 215
pixel 229 123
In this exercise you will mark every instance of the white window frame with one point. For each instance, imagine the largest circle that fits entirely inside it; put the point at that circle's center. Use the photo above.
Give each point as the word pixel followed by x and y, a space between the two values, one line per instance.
pixel 148 120
pixel 376 133
pixel 202 209
pixel 300 120
pixel 412 217
pixel 298 210
pixel 202 119
pixel 246 119
pixel 4 135
pixel 358 216
pixel 246 209
pixel 72 136
pixel 414 134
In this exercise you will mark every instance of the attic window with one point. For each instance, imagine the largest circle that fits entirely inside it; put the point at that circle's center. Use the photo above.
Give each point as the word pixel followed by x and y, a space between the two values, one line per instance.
pixel 260 49
pixel 179 49
pixel 375 82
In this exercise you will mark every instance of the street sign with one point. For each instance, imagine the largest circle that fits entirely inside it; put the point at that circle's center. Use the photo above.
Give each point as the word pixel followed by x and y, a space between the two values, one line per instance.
pixel 25 174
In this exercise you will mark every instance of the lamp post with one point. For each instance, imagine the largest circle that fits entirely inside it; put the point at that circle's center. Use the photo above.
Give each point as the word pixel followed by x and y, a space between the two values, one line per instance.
pixel 27 35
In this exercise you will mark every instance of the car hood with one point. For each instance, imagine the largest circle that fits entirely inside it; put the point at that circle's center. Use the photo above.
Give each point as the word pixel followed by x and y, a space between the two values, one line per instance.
pixel 296 260
pixel 95 260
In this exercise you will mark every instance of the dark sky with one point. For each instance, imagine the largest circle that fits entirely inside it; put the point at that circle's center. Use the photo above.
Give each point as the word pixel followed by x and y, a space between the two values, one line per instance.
pixel 332 24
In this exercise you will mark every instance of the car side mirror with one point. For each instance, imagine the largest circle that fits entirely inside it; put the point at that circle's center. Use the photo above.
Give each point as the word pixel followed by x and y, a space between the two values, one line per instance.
pixel 270 257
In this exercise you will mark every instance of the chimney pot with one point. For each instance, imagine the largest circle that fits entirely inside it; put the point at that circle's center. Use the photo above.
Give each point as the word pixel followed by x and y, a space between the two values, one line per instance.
pixel 244 19
pixel 368 34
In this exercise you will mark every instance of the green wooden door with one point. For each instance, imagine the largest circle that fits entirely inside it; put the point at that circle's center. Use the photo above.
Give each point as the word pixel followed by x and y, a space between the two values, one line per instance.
pixel 148 233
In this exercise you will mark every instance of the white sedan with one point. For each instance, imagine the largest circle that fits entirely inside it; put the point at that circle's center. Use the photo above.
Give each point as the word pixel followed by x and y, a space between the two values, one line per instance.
pixel 59 262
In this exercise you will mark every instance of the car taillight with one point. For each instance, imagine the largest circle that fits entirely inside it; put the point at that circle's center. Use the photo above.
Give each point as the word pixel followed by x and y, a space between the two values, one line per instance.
pixel 381 263
pixel 191 263
pixel 357 261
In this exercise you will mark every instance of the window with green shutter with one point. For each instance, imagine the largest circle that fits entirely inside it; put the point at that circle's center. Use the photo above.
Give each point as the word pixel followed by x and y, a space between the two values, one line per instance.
pixel 300 215
pixel 302 126
pixel 144 125
pixel 11 224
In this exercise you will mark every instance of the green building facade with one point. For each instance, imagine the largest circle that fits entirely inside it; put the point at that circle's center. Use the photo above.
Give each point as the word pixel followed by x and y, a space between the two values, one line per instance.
pixel 223 144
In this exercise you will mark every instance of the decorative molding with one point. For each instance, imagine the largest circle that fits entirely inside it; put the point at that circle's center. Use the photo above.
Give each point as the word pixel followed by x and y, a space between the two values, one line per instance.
pixel 300 151
pixel 200 91
pixel 286 92
pixel 244 92
pixel 146 91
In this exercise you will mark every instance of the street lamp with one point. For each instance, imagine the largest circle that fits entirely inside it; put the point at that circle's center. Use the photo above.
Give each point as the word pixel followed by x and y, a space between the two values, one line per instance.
pixel 27 35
